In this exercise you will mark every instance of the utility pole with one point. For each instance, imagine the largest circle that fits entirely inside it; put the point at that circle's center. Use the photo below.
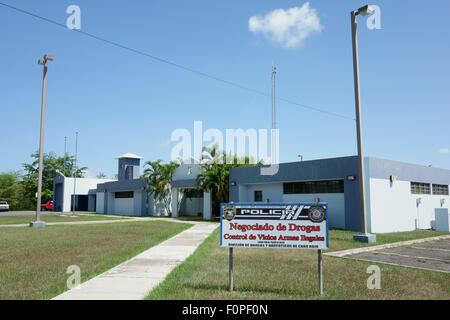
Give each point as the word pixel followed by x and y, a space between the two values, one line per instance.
pixel 38 222
pixel 274 71
pixel 75 174
pixel 274 121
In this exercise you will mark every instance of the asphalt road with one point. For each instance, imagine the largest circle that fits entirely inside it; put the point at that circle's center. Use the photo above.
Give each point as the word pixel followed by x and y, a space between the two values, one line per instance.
pixel 433 255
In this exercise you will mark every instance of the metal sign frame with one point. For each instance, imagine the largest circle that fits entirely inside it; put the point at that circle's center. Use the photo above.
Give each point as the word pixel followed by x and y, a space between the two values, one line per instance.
pixel 319 251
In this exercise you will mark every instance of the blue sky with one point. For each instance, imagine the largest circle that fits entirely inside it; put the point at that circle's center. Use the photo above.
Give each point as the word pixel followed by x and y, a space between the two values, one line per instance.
pixel 122 102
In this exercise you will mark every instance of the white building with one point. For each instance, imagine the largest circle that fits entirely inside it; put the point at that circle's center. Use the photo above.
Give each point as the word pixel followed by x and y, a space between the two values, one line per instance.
pixel 85 195
pixel 399 196
pixel 128 195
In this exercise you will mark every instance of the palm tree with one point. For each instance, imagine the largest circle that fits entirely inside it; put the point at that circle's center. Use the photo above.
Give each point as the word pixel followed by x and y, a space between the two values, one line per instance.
pixel 213 155
pixel 101 175
pixel 215 172
pixel 159 178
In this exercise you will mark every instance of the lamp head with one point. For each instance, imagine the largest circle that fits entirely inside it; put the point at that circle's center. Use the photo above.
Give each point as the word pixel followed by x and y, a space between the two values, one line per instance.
pixel 47 57
pixel 364 11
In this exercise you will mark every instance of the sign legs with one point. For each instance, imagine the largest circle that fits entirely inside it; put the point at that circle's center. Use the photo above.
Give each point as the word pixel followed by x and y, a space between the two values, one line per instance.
pixel 231 269
pixel 319 260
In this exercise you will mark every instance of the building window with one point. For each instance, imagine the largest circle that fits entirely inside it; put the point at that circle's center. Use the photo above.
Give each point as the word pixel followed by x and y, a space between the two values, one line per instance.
pixel 123 194
pixel 420 188
pixel 193 193
pixel 129 173
pixel 440 189
pixel 258 196
pixel 325 186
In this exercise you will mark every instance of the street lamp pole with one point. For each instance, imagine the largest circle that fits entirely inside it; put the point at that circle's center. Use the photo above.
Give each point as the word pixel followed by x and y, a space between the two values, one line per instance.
pixel 64 173
pixel 363 236
pixel 42 62
pixel 65 153
pixel 75 175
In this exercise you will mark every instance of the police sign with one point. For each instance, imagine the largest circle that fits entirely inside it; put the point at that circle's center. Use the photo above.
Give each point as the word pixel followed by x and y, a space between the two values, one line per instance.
pixel 269 225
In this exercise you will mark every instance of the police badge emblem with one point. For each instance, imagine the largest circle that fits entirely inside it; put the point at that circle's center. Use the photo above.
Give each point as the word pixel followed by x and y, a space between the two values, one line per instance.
pixel 316 214
pixel 229 212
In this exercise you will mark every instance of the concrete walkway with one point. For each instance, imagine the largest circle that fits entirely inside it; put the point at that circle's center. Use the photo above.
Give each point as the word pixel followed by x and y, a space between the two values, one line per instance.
pixel 135 278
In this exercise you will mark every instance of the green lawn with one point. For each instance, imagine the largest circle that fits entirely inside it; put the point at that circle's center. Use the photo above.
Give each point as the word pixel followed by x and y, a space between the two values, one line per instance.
pixel 33 261
pixel 53 218
pixel 292 274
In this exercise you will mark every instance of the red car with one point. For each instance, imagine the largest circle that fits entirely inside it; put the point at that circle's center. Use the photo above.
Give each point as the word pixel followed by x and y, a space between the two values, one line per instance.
pixel 47 206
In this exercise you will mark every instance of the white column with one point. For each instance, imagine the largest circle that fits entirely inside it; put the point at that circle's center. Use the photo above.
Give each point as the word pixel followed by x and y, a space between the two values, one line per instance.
pixel 207 204
pixel 174 203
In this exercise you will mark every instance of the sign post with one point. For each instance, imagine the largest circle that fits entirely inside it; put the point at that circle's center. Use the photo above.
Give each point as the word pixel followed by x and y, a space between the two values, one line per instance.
pixel 319 257
pixel 274 225
pixel 231 270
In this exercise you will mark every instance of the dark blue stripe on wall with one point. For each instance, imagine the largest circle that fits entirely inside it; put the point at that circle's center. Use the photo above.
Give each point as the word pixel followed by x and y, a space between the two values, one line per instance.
pixel 123 185
pixel 334 168
pixel 187 183
pixel 383 169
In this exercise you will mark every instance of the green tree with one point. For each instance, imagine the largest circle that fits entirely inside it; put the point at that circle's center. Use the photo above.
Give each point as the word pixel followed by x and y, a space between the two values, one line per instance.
pixel 101 175
pixel 52 163
pixel 12 190
pixel 215 173
pixel 159 178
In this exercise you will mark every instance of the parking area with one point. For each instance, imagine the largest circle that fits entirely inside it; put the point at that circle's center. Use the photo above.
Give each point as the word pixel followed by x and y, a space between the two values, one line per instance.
pixel 432 255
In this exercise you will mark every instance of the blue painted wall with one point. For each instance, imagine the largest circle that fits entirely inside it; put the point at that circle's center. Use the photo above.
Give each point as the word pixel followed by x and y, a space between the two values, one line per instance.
pixel 127 164
pixel 324 169
pixel 186 183
pixel 127 185
pixel 383 169
pixel 124 185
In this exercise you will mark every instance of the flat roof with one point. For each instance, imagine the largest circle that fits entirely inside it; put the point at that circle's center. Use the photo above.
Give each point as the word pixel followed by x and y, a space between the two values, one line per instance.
pixel 338 168
pixel 129 156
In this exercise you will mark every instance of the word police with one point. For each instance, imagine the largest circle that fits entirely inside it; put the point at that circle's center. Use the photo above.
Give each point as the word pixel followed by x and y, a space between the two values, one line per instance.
pixel 264 211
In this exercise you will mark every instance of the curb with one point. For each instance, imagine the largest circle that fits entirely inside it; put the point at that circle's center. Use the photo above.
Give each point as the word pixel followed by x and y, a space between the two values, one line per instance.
pixel 344 253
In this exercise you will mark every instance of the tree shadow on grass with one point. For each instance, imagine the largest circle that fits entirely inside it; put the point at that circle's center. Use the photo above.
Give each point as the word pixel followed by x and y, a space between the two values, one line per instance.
pixel 204 286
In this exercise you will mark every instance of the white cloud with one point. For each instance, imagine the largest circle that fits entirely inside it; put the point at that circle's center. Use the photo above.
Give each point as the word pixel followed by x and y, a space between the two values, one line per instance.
pixel 289 28
pixel 444 150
